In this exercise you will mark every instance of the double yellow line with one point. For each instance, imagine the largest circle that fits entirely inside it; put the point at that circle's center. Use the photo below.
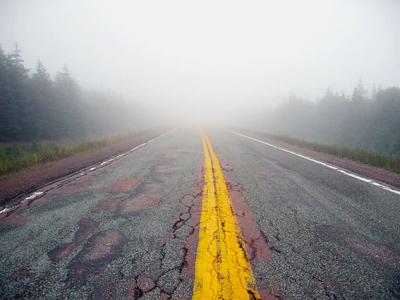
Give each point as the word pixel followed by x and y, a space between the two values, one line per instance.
pixel 222 267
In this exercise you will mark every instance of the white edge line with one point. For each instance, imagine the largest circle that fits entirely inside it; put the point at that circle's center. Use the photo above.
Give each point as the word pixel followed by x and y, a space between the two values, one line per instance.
pixel 127 152
pixel 343 171
pixel 38 193
pixel 33 196
pixel 29 198
pixel 5 209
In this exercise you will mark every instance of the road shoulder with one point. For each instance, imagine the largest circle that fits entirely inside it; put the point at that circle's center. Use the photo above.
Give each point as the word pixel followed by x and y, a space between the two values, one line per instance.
pixel 28 180
pixel 369 171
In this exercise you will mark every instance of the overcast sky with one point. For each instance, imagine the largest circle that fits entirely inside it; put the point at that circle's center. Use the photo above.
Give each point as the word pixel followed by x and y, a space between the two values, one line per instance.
pixel 188 55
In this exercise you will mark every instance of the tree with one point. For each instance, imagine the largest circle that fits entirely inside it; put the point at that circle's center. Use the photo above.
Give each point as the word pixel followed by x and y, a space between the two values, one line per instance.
pixel 13 94
pixel 4 102
pixel 41 75
pixel 37 107
pixel 359 93
pixel 384 121
pixel 69 104
pixel 42 106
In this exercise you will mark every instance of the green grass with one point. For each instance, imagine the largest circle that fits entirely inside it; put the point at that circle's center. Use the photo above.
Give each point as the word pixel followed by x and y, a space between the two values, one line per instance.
pixel 14 157
pixel 388 162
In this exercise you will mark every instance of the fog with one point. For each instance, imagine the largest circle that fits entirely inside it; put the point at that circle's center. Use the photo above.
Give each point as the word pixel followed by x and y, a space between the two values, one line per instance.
pixel 209 61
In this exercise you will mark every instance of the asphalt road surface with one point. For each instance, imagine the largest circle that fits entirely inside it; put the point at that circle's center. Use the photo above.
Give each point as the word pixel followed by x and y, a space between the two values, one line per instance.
pixel 139 227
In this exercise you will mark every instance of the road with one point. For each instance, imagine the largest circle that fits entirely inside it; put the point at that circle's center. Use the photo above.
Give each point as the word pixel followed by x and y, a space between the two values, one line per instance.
pixel 171 218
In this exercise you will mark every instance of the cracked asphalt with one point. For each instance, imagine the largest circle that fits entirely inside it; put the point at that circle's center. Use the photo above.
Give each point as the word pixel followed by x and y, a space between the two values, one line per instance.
pixel 129 230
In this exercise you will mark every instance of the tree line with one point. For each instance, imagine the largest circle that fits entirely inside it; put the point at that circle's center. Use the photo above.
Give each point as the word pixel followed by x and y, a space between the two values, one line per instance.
pixel 35 106
pixel 361 121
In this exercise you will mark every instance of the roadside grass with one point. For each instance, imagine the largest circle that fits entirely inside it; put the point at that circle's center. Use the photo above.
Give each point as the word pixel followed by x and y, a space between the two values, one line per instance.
pixel 17 156
pixel 388 162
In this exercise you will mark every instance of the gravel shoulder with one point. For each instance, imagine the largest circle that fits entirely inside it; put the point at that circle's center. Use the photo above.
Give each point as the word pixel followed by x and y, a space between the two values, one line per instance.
pixel 28 180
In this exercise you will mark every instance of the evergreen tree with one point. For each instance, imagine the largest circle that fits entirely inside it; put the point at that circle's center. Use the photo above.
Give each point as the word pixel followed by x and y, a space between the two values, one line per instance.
pixel 68 104
pixel 42 109
pixel 4 100
pixel 36 107
pixel 14 100
pixel 359 93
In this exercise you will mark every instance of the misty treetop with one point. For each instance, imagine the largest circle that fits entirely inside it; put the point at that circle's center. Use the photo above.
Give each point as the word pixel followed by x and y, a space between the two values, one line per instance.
pixel 362 122
pixel 37 107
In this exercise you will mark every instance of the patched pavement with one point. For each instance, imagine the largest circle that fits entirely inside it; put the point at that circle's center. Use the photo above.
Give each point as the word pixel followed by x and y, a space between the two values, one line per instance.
pixel 130 229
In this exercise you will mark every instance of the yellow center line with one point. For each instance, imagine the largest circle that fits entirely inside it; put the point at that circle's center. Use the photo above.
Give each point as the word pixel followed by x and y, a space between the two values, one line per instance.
pixel 222 268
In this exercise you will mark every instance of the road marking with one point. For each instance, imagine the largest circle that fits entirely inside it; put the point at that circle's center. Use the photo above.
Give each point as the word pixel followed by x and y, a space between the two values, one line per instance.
pixel 33 196
pixel 4 210
pixel 222 267
pixel 37 194
pixel 343 171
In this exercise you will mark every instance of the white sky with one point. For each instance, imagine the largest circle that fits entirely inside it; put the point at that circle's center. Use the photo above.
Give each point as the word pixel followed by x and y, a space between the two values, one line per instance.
pixel 210 57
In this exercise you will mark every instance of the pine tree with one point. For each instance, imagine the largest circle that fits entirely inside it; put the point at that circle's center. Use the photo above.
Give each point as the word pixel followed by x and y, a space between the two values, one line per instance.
pixel 68 100
pixel 359 93
pixel 42 108
pixel 4 91
pixel 14 96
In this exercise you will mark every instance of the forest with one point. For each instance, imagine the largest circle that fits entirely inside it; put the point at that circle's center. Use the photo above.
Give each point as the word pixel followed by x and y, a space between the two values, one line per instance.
pixel 362 120
pixel 34 106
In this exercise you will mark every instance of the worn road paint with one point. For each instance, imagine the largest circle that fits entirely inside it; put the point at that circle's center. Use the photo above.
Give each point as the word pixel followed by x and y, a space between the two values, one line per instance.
pixel 223 270
pixel 343 171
